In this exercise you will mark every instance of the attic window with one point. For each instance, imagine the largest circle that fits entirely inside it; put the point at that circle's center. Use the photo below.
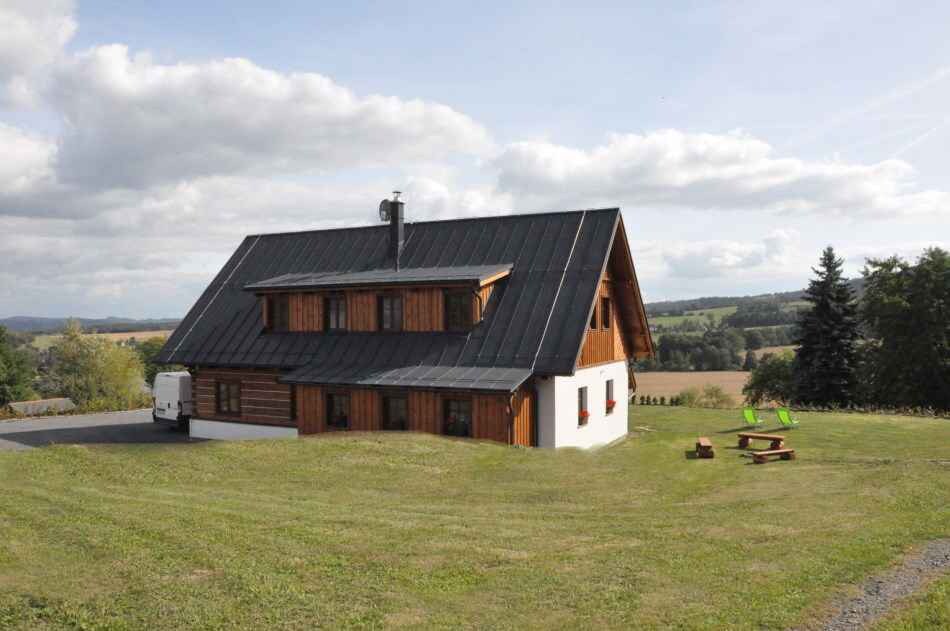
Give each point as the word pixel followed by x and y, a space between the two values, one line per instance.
pixel 278 313
pixel 334 313
pixel 593 317
pixel 605 312
pixel 458 310
pixel 390 312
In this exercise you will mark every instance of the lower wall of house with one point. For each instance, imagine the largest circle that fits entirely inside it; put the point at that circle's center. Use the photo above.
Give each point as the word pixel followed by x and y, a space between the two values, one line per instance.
pixel 266 403
pixel 558 424
pixel 223 430
pixel 490 412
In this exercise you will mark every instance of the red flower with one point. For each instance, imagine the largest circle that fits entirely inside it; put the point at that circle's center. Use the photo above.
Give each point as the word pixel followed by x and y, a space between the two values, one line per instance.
pixel 584 414
pixel 611 403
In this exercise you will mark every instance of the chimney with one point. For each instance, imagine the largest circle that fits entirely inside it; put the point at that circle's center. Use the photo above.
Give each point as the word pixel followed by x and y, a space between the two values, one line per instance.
pixel 394 212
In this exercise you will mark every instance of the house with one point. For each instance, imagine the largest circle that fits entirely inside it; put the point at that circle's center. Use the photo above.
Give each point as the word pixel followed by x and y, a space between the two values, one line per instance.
pixel 517 328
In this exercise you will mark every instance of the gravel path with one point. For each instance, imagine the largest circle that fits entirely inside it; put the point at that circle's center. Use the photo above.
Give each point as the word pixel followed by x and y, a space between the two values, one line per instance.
pixel 882 592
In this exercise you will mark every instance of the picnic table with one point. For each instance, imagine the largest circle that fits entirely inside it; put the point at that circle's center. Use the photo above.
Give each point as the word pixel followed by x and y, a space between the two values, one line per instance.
pixel 777 441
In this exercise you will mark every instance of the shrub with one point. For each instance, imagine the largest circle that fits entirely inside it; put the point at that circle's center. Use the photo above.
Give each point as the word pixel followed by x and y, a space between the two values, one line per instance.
pixel 711 396
pixel 772 380
pixel 662 400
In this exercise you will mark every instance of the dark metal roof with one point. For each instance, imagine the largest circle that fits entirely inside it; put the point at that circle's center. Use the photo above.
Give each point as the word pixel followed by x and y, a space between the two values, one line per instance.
pixel 535 320
pixel 422 360
pixel 387 276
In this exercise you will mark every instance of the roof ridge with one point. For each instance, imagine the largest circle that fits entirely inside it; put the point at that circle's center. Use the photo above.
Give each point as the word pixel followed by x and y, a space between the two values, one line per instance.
pixel 381 226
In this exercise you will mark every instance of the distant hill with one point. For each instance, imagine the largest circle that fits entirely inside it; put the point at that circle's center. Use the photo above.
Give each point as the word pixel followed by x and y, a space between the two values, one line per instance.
pixel 713 302
pixel 35 324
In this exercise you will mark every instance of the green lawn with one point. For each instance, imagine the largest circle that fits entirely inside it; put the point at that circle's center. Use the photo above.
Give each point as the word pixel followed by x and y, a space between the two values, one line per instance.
pixel 420 531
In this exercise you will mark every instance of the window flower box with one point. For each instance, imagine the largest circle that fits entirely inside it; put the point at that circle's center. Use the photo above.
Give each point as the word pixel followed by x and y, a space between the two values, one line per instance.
pixel 582 417
pixel 610 405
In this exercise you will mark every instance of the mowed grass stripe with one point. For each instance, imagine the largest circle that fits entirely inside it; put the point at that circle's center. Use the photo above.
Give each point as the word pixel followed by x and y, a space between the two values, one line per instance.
pixel 420 531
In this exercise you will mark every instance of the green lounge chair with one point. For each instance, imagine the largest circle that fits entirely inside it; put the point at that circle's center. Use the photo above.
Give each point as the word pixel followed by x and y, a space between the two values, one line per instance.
pixel 750 418
pixel 785 418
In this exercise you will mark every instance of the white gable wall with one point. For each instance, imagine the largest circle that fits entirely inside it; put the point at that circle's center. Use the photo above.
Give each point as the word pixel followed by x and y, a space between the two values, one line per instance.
pixel 557 407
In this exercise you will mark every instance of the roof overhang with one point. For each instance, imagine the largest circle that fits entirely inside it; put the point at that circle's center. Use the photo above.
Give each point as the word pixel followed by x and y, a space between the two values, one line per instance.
pixel 477 275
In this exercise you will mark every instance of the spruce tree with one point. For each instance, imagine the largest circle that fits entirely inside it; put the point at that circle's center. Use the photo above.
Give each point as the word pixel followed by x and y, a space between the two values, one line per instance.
pixel 824 366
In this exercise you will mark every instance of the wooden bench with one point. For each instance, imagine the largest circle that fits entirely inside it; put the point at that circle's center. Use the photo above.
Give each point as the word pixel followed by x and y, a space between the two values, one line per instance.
pixel 761 457
pixel 745 437
pixel 704 448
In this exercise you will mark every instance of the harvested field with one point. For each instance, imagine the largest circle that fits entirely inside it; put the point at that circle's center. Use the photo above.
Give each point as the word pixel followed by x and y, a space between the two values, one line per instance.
pixel 43 342
pixel 775 350
pixel 665 384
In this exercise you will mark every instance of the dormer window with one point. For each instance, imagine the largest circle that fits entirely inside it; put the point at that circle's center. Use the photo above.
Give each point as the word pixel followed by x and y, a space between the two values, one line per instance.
pixel 458 310
pixel 390 312
pixel 334 313
pixel 278 313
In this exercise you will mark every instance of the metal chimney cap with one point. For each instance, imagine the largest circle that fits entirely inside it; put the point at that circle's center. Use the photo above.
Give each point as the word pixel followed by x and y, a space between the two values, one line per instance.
pixel 396 195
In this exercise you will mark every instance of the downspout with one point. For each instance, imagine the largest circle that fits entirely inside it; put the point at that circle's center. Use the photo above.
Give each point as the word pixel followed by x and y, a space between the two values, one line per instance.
pixel 510 409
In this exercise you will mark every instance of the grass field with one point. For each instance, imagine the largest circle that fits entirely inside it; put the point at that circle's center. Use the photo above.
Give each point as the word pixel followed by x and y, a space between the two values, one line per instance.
pixel 717 312
pixel 43 342
pixel 415 531
pixel 775 350
pixel 656 384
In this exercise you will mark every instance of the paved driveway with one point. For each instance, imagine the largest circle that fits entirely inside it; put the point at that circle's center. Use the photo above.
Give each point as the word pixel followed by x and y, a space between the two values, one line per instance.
pixel 110 427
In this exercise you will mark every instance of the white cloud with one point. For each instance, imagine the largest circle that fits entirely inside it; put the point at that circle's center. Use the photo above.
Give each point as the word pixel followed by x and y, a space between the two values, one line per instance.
pixel 27 163
pixel 32 35
pixel 133 122
pixel 706 259
pixel 710 171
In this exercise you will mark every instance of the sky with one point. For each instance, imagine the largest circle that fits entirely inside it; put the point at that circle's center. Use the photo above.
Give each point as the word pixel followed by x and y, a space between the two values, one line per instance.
pixel 141 141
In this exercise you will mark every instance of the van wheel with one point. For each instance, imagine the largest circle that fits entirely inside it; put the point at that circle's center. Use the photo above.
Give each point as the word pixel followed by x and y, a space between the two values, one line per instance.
pixel 154 417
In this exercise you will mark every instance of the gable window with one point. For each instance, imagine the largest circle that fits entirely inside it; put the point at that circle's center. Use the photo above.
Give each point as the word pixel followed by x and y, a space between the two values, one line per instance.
pixel 458 310
pixel 278 313
pixel 334 313
pixel 582 413
pixel 609 394
pixel 458 417
pixel 390 312
pixel 338 411
pixel 228 397
pixel 593 317
pixel 395 413
pixel 605 312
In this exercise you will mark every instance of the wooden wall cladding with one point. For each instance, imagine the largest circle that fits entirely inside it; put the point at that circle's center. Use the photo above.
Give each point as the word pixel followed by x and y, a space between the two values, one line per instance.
pixel 604 345
pixel 489 411
pixel 361 311
pixel 524 430
pixel 263 399
pixel 424 309
pixel 311 409
pixel 306 312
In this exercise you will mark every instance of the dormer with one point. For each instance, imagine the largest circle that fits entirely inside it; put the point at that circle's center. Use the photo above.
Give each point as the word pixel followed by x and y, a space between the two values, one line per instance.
pixel 384 300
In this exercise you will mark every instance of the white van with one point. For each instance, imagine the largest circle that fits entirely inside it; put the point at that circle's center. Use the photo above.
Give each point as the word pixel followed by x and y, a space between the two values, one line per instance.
pixel 171 398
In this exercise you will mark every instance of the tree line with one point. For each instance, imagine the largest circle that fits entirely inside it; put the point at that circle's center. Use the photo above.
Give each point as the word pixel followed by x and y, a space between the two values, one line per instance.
pixel 96 373
pixel 891 350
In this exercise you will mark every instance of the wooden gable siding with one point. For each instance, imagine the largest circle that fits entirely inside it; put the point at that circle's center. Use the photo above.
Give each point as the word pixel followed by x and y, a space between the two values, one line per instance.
pixel 600 344
pixel 489 411
pixel 263 399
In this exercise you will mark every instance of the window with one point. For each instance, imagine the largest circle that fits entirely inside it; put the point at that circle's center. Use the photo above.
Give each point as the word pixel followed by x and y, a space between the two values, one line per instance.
pixel 390 313
pixel 334 313
pixel 582 412
pixel 228 397
pixel 593 317
pixel 338 411
pixel 395 413
pixel 458 311
pixel 458 417
pixel 605 312
pixel 610 396
pixel 278 312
